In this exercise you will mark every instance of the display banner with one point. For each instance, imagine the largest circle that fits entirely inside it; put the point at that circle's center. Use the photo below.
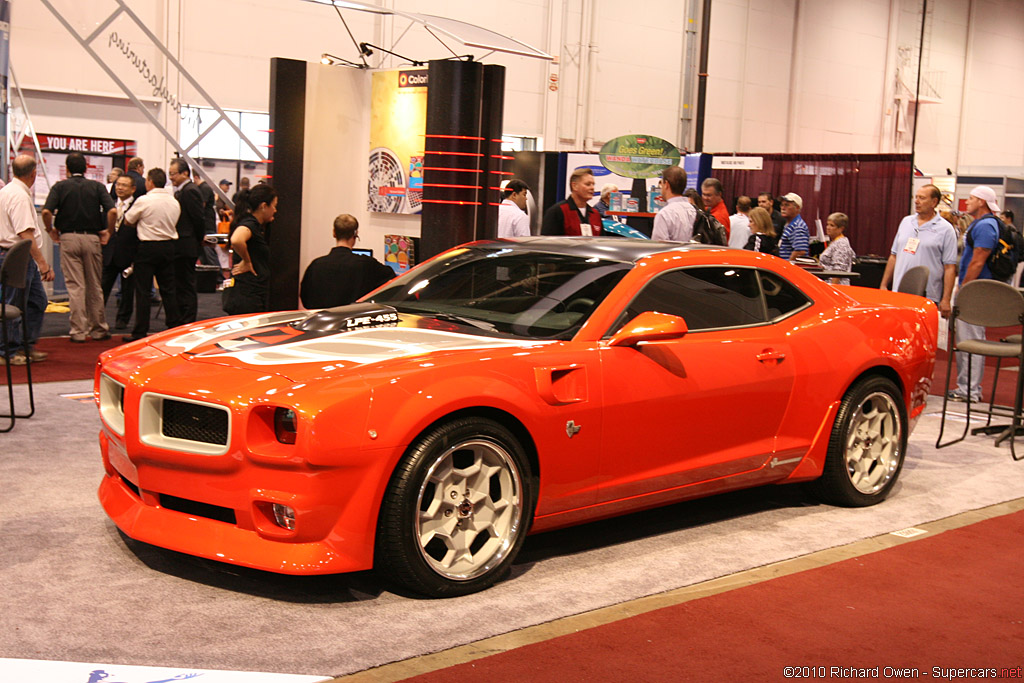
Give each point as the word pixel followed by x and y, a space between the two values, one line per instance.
pixel 639 156
pixel 398 123
pixel 399 253
pixel 602 175
pixel 91 672
pixel 90 146
pixel 738 163
pixel 100 156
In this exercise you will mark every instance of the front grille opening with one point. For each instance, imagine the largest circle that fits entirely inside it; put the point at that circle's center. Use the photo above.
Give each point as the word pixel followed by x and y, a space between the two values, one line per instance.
pixel 134 489
pixel 197 509
pixel 194 422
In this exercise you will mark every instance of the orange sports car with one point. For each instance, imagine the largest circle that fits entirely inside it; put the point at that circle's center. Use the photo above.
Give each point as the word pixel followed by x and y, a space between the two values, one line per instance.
pixel 502 388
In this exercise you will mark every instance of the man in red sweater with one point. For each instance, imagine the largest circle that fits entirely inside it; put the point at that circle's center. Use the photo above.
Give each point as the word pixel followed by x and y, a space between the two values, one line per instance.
pixel 711 192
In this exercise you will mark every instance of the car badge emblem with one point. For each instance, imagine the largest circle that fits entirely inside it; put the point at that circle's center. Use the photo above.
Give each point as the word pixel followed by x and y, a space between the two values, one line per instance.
pixel 572 429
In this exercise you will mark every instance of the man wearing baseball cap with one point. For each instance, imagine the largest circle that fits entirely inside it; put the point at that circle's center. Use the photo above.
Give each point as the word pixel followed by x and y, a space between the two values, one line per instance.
pixel 981 238
pixel 795 237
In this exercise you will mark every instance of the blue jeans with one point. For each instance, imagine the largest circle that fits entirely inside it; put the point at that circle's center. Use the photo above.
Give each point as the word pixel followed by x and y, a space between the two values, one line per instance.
pixel 977 363
pixel 34 309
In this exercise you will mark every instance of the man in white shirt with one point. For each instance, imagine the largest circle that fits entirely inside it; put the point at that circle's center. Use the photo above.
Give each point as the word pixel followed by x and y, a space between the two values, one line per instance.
pixel 674 223
pixel 18 222
pixel 512 218
pixel 154 214
pixel 924 238
pixel 740 222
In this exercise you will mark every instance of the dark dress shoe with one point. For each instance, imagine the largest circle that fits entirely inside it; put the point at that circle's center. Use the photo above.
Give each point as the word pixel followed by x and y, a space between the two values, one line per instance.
pixel 131 338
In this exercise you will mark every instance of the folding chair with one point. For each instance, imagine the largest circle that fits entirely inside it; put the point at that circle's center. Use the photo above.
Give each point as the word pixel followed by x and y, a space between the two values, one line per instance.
pixel 988 303
pixel 14 274
pixel 915 281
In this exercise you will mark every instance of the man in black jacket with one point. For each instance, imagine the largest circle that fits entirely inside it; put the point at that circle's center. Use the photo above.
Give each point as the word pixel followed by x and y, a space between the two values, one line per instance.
pixel 122 245
pixel 191 230
pixel 341 277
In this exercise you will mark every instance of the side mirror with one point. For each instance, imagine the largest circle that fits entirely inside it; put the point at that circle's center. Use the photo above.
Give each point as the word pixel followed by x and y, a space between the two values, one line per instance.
pixel 649 326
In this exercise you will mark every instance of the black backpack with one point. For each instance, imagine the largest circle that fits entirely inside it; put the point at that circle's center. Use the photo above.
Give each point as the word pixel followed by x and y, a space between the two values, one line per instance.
pixel 707 230
pixel 1002 262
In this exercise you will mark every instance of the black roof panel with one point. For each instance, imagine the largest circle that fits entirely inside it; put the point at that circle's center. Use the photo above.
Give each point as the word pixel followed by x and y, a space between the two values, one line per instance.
pixel 610 248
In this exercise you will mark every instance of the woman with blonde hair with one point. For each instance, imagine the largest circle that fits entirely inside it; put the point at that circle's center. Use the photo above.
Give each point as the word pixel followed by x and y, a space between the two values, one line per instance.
pixel 839 254
pixel 762 233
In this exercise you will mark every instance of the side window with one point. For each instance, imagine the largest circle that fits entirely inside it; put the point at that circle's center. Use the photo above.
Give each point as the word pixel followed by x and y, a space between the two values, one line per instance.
pixel 781 297
pixel 707 298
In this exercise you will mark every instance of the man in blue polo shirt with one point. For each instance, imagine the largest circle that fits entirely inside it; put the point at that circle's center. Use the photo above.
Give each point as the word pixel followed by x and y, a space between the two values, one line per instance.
pixel 795 237
pixel 981 238
pixel 926 239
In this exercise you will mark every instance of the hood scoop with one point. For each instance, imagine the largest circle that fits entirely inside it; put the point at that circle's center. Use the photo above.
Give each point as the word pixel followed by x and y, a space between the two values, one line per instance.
pixel 344 318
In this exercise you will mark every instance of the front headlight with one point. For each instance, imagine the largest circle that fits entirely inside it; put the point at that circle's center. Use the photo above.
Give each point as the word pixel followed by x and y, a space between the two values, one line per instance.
pixel 112 404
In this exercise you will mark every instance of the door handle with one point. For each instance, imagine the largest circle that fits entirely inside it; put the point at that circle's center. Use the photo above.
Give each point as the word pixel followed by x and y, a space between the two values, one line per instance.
pixel 771 356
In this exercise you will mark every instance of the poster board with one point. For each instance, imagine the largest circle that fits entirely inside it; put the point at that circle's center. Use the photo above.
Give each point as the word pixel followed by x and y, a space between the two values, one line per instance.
pixel 398 124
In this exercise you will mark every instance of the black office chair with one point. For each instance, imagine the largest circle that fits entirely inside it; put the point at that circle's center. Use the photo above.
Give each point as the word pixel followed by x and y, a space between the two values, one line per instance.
pixel 988 303
pixel 14 274
pixel 914 281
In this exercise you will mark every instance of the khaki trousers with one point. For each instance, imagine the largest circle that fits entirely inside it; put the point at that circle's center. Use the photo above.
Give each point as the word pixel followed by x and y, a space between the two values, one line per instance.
pixel 81 261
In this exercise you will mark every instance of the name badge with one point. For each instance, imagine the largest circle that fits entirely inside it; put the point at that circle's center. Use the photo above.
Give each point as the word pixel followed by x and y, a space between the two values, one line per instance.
pixel 912 244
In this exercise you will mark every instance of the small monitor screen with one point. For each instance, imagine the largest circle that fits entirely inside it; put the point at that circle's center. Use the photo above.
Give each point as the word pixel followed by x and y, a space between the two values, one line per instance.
pixel 363 252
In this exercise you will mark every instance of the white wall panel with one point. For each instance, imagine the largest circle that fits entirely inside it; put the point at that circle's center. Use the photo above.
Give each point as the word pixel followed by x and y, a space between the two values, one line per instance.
pixel 842 73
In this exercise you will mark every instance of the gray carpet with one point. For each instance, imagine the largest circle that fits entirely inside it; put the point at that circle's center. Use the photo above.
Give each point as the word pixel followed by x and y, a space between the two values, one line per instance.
pixel 75 589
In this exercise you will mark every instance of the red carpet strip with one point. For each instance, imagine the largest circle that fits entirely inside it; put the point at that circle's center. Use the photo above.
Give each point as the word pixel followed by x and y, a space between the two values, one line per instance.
pixel 67 361
pixel 927 609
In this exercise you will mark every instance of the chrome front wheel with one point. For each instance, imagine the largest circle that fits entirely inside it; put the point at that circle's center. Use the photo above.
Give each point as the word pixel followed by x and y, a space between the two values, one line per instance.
pixel 470 509
pixel 457 509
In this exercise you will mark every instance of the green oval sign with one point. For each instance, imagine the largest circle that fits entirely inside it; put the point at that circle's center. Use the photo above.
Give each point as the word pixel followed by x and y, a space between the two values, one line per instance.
pixel 639 156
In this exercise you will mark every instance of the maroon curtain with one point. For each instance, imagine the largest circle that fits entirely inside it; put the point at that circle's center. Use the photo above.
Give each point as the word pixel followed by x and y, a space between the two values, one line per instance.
pixel 874 190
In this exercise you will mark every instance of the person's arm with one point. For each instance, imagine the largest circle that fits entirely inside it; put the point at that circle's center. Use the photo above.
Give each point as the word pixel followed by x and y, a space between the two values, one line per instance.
pixel 45 271
pixel 48 224
pixel 240 243
pixel 553 223
pixel 978 260
pixel 801 242
pixel 890 267
pixel 948 279
pixel 191 201
pixel 105 235
pixel 522 226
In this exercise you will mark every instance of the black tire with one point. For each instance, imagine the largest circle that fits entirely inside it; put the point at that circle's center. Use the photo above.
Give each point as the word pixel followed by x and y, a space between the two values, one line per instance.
pixel 468 487
pixel 867 445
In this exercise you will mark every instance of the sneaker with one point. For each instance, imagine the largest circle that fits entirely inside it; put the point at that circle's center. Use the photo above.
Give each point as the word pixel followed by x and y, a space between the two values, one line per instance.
pixel 38 356
pixel 960 397
pixel 17 358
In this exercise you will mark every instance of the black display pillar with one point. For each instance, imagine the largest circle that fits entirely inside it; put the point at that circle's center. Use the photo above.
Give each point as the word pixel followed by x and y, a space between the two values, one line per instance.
pixel 458 154
pixel 287 142
pixel 493 161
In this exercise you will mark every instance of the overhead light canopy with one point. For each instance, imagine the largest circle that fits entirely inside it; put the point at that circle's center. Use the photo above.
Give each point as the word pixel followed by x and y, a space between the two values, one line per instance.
pixel 467 34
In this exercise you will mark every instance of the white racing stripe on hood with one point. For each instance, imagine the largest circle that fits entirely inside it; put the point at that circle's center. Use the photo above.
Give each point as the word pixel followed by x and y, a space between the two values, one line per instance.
pixel 191 340
pixel 370 346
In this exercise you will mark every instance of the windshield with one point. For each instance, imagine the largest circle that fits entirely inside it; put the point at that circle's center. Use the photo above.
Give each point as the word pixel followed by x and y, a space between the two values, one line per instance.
pixel 505 291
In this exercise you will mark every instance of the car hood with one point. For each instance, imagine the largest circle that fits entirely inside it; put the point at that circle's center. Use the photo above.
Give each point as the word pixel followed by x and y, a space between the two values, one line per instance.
pixel 303 345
